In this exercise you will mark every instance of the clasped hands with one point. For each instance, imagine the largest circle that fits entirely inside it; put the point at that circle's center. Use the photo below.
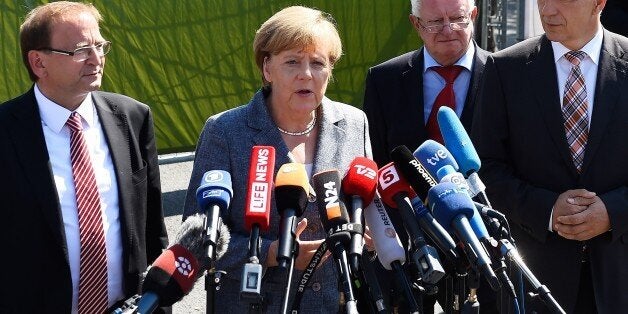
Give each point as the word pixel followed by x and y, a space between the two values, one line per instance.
pixel 580 215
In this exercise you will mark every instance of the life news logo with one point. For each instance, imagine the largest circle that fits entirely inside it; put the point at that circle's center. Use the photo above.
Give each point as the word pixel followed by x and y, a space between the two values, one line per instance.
pixel 259 189
pixel 183 266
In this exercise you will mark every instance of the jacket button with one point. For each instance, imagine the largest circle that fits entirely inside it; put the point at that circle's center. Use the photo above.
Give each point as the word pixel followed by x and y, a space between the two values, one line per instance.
pixel 316 286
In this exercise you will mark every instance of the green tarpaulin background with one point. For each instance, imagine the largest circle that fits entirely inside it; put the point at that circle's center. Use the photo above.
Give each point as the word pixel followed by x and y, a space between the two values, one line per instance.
pixel 189 59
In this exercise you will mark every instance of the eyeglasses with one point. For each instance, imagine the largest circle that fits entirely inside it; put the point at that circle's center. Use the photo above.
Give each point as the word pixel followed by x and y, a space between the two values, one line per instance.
pixel 457 24
pixel 83 53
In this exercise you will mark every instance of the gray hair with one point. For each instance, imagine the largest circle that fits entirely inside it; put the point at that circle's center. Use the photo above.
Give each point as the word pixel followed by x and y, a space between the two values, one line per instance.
pixel 416 5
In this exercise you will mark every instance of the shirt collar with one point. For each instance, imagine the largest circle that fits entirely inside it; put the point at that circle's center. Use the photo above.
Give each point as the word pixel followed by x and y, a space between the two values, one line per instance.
pixel 55 116
pixel 465 61
pixel 593 48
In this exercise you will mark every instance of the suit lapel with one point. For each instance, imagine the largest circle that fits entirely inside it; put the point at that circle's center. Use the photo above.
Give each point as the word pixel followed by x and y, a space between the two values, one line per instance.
pixel 258 118
pixel 607 92
pixel 412 87
pixel 332 130
pixel 115 127
pixel 28 138
pixel 479 61
pixel 545 84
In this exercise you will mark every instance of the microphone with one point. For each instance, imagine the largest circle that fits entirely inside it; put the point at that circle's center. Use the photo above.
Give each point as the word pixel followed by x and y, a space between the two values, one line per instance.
pixel 491 245
pixel 261 172
pixel 335 221
pixel 433 156
pixel 454 208
pixel 396 193
pixel 385 238
pixel 359 186
pixel 257 216
pixel 390 252
pixel 213 197
pixel 173 274
pixel 413 171
pixel 291 188
pixel 459 144
pixel 421 181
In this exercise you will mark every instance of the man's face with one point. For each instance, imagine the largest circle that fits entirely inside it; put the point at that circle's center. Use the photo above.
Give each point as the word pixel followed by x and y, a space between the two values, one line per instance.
pixel 447 45
pixel 571 22
pixel 61 78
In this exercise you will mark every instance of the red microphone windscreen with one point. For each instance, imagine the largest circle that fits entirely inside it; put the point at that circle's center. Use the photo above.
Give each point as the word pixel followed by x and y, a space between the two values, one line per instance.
pixel 261 172
pixel 391 183
pixel 361 179
pixel 172 275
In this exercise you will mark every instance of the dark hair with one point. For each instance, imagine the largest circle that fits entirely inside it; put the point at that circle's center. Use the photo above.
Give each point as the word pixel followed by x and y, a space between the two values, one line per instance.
pixel 36 28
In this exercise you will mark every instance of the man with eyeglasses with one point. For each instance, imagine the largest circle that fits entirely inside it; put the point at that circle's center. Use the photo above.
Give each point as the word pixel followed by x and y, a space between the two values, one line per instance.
pixel 403 94
pixel 80 200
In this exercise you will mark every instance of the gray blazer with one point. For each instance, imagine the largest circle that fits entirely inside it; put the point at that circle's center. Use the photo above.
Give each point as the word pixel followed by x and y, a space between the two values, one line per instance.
pixel 225 144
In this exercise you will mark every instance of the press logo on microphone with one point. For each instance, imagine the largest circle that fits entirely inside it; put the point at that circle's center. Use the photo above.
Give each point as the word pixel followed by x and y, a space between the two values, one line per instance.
pixel 212 176
pixel 426 175
pixel 183 266
pixel 365 171
pixel 260 186
pixel 388 176
pixel 331 200
pixel 438 156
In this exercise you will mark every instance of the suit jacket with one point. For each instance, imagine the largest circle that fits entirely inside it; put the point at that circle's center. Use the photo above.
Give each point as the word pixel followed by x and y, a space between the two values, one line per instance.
pixel 37 272
pixel 225 144
pixel 393 102
pixel 519 134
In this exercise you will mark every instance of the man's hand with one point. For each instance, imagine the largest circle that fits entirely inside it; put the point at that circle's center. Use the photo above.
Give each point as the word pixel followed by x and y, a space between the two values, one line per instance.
pixel 571 202
pixel 586 224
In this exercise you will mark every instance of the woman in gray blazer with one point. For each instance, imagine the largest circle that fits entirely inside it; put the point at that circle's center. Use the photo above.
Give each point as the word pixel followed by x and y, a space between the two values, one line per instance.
pixel 295 51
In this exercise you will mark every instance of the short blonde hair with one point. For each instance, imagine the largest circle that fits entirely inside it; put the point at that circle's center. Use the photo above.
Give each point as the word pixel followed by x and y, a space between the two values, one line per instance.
pixel 294 27
pixel 37 26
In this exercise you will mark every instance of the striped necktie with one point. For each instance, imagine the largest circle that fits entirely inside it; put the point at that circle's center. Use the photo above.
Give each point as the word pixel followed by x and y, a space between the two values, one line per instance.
pixel 93 257
pixel 575 109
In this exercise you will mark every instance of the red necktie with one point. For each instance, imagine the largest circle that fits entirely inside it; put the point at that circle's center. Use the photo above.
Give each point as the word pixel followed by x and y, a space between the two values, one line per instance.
pixel 575 109
pixel 93 263
pixel 446 97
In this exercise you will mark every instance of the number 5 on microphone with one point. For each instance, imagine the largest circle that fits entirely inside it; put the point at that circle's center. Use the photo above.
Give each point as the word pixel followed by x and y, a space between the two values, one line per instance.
pixel 388 175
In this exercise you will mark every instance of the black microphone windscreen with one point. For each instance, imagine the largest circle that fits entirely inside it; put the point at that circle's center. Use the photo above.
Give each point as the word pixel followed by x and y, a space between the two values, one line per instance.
pixel 190 236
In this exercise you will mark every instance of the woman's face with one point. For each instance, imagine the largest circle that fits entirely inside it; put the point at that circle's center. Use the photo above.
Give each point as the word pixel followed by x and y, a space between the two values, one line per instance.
pixel 298 77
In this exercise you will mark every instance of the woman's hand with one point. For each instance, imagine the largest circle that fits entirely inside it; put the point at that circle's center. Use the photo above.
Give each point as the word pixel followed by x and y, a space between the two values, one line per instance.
pixel 306 250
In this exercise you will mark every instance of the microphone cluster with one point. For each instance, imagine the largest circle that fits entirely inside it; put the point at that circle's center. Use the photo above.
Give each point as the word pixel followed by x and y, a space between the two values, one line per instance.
pixel 435 190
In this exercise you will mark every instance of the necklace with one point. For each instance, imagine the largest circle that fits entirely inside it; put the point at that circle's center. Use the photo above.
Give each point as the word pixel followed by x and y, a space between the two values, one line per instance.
pixel 310 126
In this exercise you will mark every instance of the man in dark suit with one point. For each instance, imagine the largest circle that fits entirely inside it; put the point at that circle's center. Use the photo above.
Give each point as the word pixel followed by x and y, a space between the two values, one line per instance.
pixel 403 94
pixel 551 131
pixel 400 92
pixel 80 200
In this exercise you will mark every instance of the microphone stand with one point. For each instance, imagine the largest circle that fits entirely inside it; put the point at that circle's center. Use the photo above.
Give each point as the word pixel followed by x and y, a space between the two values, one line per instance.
pixel 213 276
pixel 286 297
pixel 345 278
pixel 250 289
pixel 541 291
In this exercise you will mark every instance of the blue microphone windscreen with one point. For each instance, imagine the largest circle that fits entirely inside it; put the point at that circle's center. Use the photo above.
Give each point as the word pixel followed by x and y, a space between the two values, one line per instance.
pixel 457 141
pixel 447 201
pixel 445 170
pixel 215 188
pixel 478 226
pixel 433 156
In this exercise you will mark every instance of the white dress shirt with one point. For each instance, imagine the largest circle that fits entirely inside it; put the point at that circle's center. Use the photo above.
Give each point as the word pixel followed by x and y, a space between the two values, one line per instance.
pixel 433 83
pixel 588 67
pixel 57 136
